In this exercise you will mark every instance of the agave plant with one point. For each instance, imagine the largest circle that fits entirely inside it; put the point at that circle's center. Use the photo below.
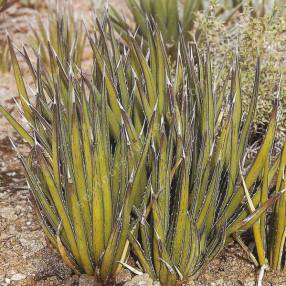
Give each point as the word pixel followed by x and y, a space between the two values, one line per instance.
pixel 139 154
pixel 174 18
pixel 84 174
pixel 274 238
pixel 64 34
pixel 84 195
pixel 4 56
pixel 195 193
pixel 4 50
pixel 269 230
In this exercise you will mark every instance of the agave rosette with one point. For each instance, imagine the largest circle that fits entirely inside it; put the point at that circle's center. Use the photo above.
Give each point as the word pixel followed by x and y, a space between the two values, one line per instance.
pixel 195 193
pixel 87 166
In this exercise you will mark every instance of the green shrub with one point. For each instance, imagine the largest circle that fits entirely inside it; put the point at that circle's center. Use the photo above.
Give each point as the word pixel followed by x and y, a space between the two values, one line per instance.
pixel 254 35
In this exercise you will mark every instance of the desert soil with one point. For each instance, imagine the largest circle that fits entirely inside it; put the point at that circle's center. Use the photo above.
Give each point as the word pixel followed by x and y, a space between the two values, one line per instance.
pixel 25 256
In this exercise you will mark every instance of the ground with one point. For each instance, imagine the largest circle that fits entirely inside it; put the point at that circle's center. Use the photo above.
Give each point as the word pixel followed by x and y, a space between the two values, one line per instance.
pixel 25 256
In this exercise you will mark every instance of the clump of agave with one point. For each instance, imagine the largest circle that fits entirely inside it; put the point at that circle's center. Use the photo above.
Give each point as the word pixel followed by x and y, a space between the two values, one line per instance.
pixel 195 192
pixel 83 171
pixel 174 18
pixel 64 34
pixel 138 154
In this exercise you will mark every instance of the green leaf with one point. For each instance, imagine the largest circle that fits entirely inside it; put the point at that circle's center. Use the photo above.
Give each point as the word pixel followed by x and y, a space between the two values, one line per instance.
pixel 20 85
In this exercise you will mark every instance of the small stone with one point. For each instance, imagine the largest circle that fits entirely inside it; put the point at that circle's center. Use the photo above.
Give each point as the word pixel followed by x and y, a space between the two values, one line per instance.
pixel 18 277
pixel 8 213
pixel 219 282
pixel 249 282
pixel 85 280
pixel 72 281
pixel 18 209
pixel 123 276
pixel 7 281
pixel 32 243
pixel 190 283
pixel 142 280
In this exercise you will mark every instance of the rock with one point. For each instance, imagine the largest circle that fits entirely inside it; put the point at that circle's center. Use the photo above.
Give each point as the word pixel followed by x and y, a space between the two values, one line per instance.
pixel 190 283
pixel 8 213
pixel 219 282
pixel 85 280
pixel 33 242
pixel 72 281
pixel 123 277
pixel 18 277
pixel 2 278
pixel 142 280
pixel 249 282
pixel 4 281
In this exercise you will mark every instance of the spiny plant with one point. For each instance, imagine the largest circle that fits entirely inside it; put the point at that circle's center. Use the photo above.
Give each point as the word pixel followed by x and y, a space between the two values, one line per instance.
pixel 269 231
pixel 87 167
pixel 64 34
pixel 4 56
pixel 174 18
pixel 195 193
pixel 274 238
pixel 137 154
pixel 266 35
pixel 4 50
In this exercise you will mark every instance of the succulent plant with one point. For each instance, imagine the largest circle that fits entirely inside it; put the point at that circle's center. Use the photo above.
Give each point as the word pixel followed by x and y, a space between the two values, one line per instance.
pixel 138 153
pixel 269 230
pixel 174 18
pixel 4 50
pixel 195 193
pixel 64 34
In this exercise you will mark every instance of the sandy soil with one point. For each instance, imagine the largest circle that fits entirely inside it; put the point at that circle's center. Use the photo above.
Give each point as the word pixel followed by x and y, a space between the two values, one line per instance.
pixel 25 256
